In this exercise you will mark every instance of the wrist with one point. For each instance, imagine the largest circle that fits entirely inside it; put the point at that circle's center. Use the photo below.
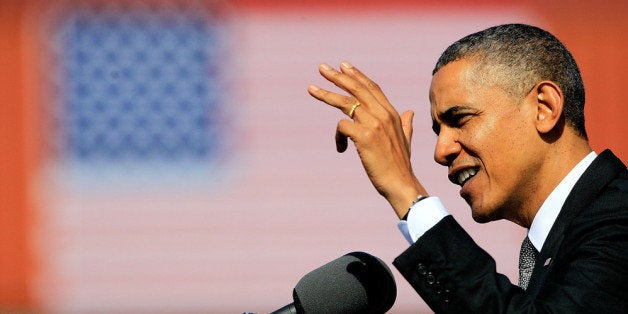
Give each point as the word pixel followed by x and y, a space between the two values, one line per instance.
pixel 404 199
pixel 418 199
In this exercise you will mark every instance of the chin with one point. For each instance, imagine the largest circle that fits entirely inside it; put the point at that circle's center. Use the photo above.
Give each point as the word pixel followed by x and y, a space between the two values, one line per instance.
pixel 483 216
pixel 480 218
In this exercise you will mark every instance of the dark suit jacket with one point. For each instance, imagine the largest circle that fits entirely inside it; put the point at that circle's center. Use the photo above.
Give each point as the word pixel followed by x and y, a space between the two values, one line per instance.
pixel 582 268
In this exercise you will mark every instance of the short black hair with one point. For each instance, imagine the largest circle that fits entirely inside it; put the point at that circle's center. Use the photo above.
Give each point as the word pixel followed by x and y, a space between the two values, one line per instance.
pixel 530 55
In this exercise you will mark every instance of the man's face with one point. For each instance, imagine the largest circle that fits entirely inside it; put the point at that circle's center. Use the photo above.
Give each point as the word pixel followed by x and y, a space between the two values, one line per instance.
pixel 487 140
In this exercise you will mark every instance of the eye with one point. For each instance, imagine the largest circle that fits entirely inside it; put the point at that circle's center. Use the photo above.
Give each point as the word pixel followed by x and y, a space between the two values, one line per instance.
pixel 459 120
pixel 453 121
pixel 436 128
pixel 454 117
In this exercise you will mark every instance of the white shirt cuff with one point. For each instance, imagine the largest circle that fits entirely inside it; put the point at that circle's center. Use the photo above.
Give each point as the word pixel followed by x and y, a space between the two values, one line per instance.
pixel 422 217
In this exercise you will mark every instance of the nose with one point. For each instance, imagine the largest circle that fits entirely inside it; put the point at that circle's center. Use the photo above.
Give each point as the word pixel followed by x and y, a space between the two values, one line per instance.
pixel 447 147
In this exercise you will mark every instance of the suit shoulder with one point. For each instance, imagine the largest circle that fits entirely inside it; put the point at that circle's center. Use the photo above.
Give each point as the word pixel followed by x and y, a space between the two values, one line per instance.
pixel 620 184
pixel 609 209
pixel 615 194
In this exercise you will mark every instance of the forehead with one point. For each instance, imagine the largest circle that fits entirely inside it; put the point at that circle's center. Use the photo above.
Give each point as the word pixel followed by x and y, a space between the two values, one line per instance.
pixel 464 83
pixel 454 84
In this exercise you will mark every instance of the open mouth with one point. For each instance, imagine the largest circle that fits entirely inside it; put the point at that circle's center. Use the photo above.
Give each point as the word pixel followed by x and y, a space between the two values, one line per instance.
pixel 463 176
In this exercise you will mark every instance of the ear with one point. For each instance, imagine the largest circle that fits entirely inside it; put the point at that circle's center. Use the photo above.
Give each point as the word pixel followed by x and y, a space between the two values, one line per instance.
pixel 549 104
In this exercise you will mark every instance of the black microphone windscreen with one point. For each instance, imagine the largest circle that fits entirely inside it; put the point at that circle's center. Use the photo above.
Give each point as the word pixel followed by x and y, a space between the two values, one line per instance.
pixel 354 283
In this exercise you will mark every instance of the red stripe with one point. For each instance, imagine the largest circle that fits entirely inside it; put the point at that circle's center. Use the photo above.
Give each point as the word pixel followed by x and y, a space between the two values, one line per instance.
pixel 356 6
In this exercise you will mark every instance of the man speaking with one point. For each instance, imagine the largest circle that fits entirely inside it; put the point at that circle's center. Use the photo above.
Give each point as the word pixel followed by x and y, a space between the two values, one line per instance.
pixel 507 105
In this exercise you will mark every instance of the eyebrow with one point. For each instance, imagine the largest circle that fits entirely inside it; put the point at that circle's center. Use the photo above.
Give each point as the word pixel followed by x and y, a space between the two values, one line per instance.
pixel 447 115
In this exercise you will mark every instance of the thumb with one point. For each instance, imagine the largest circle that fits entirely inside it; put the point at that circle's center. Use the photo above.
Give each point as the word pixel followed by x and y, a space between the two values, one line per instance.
pixel 406 126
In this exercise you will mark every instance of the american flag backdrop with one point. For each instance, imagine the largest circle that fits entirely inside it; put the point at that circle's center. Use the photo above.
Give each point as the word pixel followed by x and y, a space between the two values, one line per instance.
pixel 183 168
pixel 138 88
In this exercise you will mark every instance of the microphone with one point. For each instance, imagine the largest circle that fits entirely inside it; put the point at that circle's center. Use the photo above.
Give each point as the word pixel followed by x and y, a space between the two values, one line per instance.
pixel 353 283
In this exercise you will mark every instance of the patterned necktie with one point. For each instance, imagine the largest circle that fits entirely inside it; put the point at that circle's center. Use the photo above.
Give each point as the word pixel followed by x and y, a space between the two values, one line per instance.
pixel 527 257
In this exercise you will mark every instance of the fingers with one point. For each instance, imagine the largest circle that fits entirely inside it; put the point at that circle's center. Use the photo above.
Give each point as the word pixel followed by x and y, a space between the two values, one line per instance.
pixel 341 142
pixel 366 105
pixel 366 82
pixel 343 133
pixel 344 103
pixel 347 83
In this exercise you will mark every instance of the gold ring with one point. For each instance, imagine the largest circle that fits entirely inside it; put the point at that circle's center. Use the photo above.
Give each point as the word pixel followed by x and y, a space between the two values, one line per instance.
pixel 352 110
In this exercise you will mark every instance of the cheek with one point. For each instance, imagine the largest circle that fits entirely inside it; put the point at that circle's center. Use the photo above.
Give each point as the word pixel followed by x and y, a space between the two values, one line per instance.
pixel 497 145
pixel 481 138
pixel 507 154
pixel 500 138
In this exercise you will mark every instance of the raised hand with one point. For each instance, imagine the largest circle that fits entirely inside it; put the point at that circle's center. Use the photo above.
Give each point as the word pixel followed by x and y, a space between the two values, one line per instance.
pixel 381 136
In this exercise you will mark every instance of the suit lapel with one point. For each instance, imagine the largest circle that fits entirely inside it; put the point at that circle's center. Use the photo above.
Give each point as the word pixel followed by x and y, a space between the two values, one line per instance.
pixel 603 169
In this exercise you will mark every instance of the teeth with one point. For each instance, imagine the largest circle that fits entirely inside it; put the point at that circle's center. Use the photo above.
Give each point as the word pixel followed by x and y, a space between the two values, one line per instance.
pixel 465 175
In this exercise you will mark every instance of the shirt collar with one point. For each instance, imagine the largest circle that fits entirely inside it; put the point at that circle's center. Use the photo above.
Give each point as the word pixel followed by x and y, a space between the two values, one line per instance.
pixel 546 216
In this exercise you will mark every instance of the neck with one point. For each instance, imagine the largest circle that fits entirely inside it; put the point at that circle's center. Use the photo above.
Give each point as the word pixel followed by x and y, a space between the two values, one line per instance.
pixel 557 161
